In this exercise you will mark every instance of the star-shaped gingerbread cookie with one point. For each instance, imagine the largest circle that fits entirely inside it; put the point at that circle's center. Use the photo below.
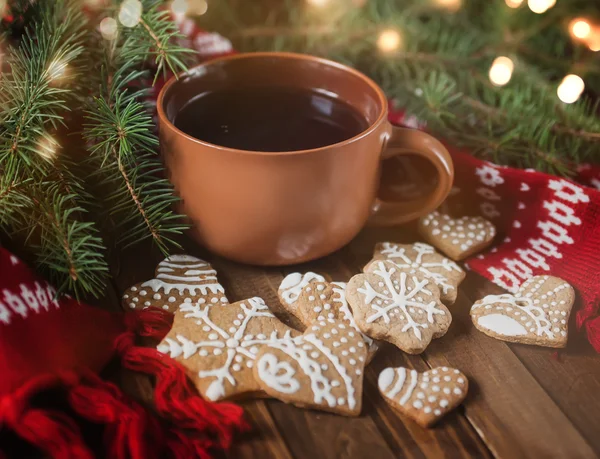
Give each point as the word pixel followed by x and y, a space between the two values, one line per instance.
pixel 537 314
pixel 179 279
pixel 321 369
pixel 218 345
pixel 422 259
pixel 457 237
pixel 392 305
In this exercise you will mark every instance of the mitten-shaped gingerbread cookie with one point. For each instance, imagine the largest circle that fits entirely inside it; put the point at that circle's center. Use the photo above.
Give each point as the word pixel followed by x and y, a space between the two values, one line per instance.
pixel 537 314
pixel 321 369
pixel 179 279
pixel 403 309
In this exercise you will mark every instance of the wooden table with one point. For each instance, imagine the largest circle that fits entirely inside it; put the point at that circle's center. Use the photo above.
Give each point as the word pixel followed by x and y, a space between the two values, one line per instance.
pixel 523 401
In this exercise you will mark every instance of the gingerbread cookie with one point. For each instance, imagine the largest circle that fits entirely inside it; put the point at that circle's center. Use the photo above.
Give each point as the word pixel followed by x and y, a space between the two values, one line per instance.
pixel 327 300
pixel 321 369
pixel 423 397
pixel 218 346
pixel 422 259
pixel 179 279
pixel 537 314
pixel 291 286
pixel 457 237
pixel 403 309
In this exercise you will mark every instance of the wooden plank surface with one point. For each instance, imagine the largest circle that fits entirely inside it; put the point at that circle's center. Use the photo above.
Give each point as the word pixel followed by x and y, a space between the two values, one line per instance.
pixel 522 402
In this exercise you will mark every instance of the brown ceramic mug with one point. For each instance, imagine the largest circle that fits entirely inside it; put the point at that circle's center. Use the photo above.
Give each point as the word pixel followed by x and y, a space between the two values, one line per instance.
pixel 278 208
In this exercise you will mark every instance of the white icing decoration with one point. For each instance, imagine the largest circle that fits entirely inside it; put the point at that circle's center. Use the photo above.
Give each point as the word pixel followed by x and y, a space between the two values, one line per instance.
pixel 339 288
pixel 232 342
pixel 386 377
pixel 277 375
pixel 157 285
pixel 401 297
pixel 504 325
pixel 292 285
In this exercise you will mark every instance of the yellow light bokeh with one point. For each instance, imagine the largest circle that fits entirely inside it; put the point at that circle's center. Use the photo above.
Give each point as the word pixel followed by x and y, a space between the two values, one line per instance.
pixel 319 3
pixel 450 5
pixel 179 7
pixel 47 147
pixel 570 89
pixel 513 3
pixel 109 28
pixel 540 6
pixel 501 71
pixel 389 40
pixel 580 28
pixel 57 70
pixel 130 13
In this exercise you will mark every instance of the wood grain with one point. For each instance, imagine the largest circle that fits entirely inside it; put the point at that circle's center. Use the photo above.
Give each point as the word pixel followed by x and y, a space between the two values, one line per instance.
pixel 522 402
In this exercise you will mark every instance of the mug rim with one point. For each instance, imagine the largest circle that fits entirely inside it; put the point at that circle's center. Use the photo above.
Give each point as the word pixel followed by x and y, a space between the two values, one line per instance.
pixel 163 118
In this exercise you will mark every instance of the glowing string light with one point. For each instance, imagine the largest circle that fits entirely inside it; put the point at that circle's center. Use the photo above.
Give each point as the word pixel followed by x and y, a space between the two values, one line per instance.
pixel 450 5
pixel 501 70
pixel 47 147
pixel 109 28
pixel 540 6
pixel 57 70
pixel 389 40
pixel 318 3
pixel 130 13
pixel 580 28
pixel 513 3
pixel 570 89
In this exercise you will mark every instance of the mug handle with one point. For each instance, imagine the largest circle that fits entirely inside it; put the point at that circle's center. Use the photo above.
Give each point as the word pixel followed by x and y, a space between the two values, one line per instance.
pixel 405 141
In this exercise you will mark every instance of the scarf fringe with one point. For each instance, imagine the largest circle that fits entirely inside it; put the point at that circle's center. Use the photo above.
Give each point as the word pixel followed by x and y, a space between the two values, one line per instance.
pixel 183 424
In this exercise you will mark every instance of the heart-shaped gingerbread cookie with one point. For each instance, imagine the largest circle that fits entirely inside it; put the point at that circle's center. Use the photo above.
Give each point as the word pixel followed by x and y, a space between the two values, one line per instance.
pixel 457 237
pixel 179 279
pixel 321 369
pixel 537 314
pixel 423 397
pixel 422 259
pixel 403 309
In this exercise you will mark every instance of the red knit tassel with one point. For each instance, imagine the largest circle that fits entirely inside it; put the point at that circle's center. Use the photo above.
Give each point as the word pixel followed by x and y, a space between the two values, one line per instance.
pixel 208 424
pixel 52 432
pixel 150 322
pixel 131 431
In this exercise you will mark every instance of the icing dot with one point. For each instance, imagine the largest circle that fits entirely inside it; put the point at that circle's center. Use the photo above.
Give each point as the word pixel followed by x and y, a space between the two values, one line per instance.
pixel 427 410
pixel 447 378
pixel 232 342
pixel 432 398
pixel 212 335
pixel 201 301
pixel 187 300
pixel 444 368
pixel 335 383
pixel 434 371
pixel 344 339
pixel 125 297
pixel 436 379
pixel 237 322
pixel 437 412
pixel 461 380
pixel 238 358
pixel 135 300
pixel 336 344
pixel 236 367
pixel 457 391
pixel 232 329
pixel 418 404
pixel 249 363
pixel 314 354
pixel 327 306
pixel 164 307
pixel 446 390
pixel 147 303
pixel 156 296
pixel 217 351
pixel 260 336
pixel 134 289
pixel 203 352
pixel 248 337
pixel 334 331
pixel 322 296
pixel 341 401
pixel 443 403
pixel 214 300
pixel 311 298
pixel 223 299
pixel 317 309
pixel 358 372
pixel 556 329
pixel 563 313
pixel 424 385
pixel 132 305
pixel 240 316
pixel 327 335
pixel 344 353
pixel 320 287
pixel 352 362
pixel 254 350
pixel 171 299
pixel 143 292
pixel 421 395
pixel 361 344
pixel 456 371
pixel 324 366
pixel 435 388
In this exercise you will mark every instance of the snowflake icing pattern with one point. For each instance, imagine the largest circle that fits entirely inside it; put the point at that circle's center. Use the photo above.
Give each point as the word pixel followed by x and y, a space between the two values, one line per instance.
pixel 398 298
pixel 228 339
pixel 399 256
